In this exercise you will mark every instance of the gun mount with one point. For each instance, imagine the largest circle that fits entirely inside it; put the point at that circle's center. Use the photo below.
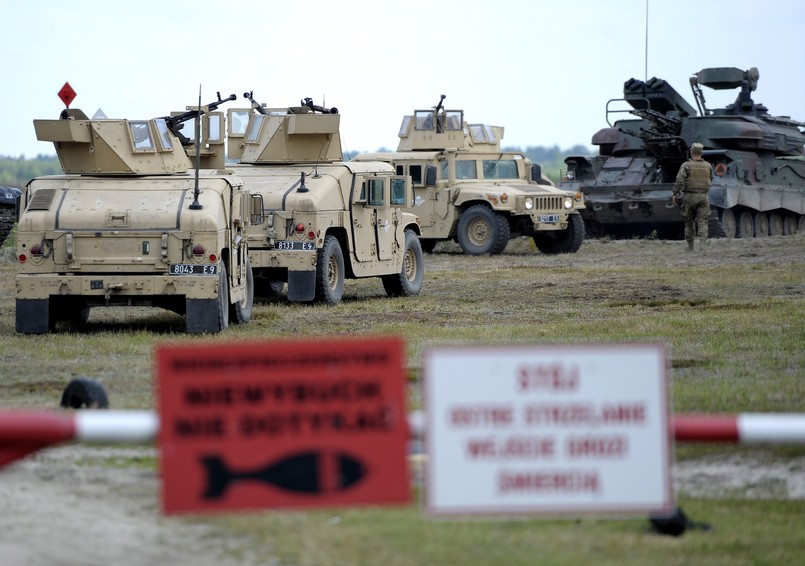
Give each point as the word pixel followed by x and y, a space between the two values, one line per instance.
pixel 135 147
pixel 176 121
pixel 297 134
pixel 759 161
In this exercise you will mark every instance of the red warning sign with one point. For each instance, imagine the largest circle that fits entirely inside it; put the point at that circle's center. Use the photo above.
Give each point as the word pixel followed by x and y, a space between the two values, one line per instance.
pixel 67 94
pixel 282 424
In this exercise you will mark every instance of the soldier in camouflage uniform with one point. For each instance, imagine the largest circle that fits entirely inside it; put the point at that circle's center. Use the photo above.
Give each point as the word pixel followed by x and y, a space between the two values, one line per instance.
pixel 692 184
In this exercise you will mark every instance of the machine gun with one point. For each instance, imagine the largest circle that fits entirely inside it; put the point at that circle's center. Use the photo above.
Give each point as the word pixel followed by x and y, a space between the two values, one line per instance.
pixel 309 103
pixel 437 109
pixel 174 123
pixel 256 105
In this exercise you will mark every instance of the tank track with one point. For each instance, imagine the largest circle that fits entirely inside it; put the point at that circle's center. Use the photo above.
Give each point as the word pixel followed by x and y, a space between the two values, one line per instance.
pixel 6 222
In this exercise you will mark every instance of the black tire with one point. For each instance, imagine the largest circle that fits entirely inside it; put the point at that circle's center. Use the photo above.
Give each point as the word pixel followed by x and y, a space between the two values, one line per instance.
pixel 329 272
pixel 567 241
pixel 241 312
pixel 223 299
pixel 84 392
pixel 482 231
pixel 409 281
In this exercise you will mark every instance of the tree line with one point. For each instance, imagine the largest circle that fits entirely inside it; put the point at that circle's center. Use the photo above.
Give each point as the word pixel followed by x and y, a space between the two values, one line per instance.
pixel 17 171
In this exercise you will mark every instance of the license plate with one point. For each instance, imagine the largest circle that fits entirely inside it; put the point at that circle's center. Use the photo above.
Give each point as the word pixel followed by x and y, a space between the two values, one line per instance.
pixel 184 269
pixel 287 246
pixel 549 218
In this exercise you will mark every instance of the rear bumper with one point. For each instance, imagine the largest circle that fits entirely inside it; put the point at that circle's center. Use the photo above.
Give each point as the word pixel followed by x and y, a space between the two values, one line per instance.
pixel 116 288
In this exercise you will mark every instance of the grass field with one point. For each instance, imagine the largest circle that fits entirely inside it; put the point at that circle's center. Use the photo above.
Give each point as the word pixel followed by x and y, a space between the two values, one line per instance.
pixel 733 322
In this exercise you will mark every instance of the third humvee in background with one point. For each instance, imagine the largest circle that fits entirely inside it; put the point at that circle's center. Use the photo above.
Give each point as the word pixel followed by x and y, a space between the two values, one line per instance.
pixel 468 190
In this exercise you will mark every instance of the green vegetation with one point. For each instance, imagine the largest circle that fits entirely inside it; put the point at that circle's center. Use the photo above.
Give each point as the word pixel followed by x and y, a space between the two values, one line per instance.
pixel 731 320
pixel 16 172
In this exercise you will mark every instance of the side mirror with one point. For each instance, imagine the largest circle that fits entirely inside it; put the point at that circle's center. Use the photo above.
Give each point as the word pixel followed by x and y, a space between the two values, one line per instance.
pixel 536 173
pixel 257 216
pixel 430 176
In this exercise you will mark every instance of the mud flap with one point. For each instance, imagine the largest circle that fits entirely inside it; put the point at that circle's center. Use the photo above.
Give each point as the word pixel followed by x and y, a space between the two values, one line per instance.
pixel 202 316
pixel 301 285
pixel 33 316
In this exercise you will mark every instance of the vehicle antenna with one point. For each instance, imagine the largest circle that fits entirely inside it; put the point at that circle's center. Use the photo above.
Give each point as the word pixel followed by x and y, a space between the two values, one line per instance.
pixel 645 71
pixel 195 205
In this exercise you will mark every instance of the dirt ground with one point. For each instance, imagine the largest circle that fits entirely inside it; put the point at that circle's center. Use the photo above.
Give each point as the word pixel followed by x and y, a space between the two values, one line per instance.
pixel 68 506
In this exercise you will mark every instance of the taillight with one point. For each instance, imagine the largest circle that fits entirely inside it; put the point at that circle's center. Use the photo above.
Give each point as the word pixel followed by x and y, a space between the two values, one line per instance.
pixel 22 258
pixel 213 258
pixel 299 228
pixel 311 235
pixel 198 249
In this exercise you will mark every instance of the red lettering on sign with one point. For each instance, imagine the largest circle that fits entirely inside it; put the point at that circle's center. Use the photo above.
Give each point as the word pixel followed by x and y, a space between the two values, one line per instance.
pixel 554 481
pixel 611 446
pixel 547 377
pixel 482 415
pixel 513 447
pixel 624 413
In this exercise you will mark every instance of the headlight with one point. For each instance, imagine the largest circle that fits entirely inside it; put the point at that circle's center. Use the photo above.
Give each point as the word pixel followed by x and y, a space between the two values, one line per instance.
pixel 529 204
pixel 568 202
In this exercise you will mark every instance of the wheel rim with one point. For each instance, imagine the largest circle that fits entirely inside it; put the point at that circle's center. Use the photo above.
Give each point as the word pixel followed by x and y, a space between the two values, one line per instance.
pixel 332 272
pixel 775 224
pixel 761 225
pixel 728 223
pixel 409 265
pixel 478 232
pixel 747 225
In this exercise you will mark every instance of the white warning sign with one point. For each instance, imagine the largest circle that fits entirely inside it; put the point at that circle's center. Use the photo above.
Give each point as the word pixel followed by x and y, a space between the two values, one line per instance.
pixel 547 430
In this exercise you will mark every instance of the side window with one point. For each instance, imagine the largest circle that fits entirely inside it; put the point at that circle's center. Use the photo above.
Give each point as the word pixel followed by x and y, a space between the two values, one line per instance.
pixel 454 119
pixel 164 135
pixel 253 131
pixel 398 192
pixel 362 194
pixel 238 120
pixel 376 189
pixel 141 135
pixel 466 170
pixel 214 127
pixel 416 174
pixel 400 169
pixel 423 120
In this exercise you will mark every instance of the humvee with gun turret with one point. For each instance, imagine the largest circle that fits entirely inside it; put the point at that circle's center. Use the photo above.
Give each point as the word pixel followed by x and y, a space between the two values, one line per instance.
pixel 469 190
pixel 133 221
pixel 325 220
pixel 758 159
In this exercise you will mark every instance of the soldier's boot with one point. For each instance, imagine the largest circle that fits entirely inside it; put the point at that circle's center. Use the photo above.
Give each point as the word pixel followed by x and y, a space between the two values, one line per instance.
pixel 702 247
pixel 690 246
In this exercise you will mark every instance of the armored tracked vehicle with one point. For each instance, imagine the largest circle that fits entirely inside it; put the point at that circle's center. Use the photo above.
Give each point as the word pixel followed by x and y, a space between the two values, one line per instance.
pixel 131 222
pixel 9 201
pixel 468 190
pixel 325 220
pixel 758 159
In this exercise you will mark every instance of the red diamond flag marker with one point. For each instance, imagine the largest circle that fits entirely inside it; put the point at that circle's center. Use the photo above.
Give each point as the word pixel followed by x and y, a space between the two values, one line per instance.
pixel 67 94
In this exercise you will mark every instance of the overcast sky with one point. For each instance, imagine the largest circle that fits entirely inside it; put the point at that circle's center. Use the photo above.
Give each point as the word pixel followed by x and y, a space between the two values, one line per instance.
pixel 543 69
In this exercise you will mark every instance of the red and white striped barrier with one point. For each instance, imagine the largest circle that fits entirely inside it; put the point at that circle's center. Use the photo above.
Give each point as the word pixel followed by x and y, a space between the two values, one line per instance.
pixel 23 432
pixel 746 428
